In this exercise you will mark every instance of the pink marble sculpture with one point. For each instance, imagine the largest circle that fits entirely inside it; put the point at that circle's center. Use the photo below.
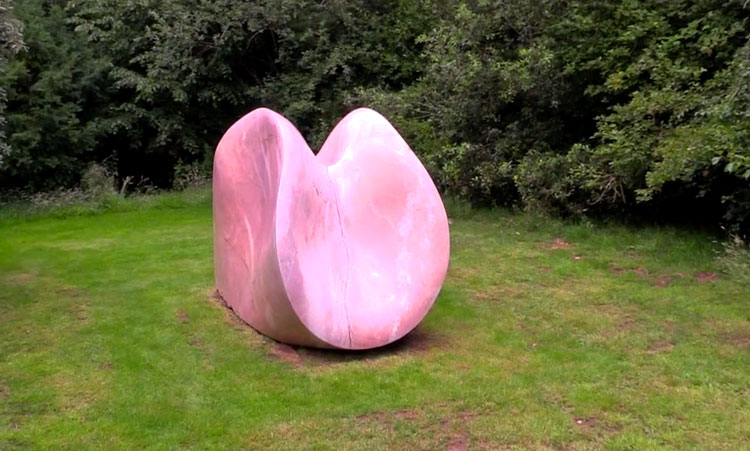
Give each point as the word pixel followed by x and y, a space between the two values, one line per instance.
pixel 344 249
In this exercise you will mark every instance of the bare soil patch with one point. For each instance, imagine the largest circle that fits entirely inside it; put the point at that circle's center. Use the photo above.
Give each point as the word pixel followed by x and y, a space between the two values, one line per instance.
pixel 668 325
pixel 286 354
pixel 459 443
pixel 78 311
pixel 559 243
pixel 616 270
pixel 706 277
pixel 660 346
pixel 626 324
pixel 660 281
pixel 586 422
pixel 738 339
pixel 416 342
pixel 196 343
pixel 22 278
pixel 641 271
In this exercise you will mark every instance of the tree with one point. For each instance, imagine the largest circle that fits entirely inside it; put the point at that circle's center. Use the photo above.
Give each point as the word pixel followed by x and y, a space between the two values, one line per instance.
pixel 11 42
pixel 183 71
pixel 56 99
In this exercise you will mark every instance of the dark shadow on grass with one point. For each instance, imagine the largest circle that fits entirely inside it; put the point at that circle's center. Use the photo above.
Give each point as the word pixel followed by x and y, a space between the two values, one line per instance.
pixel 415 342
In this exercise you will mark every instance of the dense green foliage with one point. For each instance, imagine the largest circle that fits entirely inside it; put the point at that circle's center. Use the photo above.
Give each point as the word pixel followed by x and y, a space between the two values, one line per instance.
pixel 633 107
pixel 11 42
pixel 57 102
pixel 573 107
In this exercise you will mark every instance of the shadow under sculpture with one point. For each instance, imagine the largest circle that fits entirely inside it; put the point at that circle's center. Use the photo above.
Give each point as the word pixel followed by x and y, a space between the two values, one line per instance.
pixel 344 249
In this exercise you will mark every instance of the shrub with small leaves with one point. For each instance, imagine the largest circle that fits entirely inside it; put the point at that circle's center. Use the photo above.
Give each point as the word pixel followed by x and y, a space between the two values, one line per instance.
pixel 98 182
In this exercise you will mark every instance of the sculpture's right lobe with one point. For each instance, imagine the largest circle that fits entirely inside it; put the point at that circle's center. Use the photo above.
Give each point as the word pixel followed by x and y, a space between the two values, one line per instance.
pixel 347 249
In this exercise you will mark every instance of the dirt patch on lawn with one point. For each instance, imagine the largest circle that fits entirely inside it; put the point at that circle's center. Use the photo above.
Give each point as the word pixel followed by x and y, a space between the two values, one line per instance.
pixel 182 316
pixel 559 243
pixel 586 422
pixel 22 278
pixel 459 443
pixel 196 343
pixel 285 353
pixel 641 271
pixel 660 346
pixel 592 425
pixel 706 277
pixel 738 339
pixel 626 324
pixel 416 342
pixel 616 270
pixel 459 425
pixel 78 311
pixel 659 280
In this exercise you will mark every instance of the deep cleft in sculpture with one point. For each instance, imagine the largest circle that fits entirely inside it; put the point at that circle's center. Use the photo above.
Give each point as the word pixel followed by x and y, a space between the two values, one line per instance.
pixel 344 249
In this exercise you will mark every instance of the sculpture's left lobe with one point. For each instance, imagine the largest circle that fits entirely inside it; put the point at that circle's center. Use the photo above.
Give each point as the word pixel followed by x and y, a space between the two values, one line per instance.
pixel 247 172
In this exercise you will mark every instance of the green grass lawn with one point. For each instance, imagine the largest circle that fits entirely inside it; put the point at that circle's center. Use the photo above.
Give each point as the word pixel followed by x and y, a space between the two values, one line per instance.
pixel 545 335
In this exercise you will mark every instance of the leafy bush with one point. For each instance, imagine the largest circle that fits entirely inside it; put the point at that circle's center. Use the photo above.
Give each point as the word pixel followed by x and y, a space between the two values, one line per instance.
pixel 11 42
pixel 633 107
pixel 592 107
pixel 97 181
pixel 190 176
pixel 735 259
pixel 55 93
